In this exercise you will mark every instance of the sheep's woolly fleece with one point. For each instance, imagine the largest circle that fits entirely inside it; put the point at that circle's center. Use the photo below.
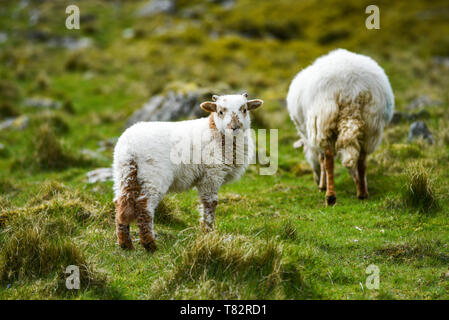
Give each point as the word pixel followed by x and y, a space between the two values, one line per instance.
pixel 343 100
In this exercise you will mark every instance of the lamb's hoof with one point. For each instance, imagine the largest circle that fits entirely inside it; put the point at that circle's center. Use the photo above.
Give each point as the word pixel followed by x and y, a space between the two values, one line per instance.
pixel 331 200
pixel 362 196
pixel 322 189
pixel 128 245
pixel 150 246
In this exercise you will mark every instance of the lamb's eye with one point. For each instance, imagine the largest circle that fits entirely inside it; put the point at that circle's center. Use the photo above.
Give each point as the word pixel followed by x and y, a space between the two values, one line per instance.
pixel 220 113
pixel 244 110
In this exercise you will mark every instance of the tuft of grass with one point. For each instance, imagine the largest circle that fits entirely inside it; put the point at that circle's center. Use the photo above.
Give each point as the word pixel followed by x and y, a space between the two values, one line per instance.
pixel 419 191
pixel 49 153
pixel 232 264
pixel 288 231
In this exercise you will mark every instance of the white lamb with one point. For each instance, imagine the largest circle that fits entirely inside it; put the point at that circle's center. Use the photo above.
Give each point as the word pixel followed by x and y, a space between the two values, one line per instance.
pixel 146 163
pixel 340 105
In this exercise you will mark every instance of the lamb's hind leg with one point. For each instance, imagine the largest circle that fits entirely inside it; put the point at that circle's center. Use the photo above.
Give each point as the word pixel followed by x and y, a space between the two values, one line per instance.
pixel 125 206
pixel 146 205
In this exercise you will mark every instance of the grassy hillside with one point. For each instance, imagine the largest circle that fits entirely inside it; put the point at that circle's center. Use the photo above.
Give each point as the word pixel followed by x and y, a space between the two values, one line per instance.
pixel 275 239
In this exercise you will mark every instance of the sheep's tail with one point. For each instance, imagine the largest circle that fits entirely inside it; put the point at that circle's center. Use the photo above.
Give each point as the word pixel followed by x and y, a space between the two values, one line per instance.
pixel 350 127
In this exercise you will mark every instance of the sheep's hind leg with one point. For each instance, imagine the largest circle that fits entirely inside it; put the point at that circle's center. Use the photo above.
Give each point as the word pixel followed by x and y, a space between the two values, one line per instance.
pixel 146 205
pixel 331 198
pixel 322 183
pixel 362 187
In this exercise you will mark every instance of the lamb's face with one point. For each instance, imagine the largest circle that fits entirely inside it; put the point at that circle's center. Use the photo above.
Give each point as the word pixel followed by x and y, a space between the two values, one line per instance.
pixel 231 112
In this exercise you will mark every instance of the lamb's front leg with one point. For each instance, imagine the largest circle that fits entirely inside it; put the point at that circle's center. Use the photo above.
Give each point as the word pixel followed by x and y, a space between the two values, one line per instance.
pixel 209 202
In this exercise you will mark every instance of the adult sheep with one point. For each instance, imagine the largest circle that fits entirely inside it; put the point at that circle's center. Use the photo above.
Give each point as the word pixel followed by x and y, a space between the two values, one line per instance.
pixel 340 105
pixel 149 161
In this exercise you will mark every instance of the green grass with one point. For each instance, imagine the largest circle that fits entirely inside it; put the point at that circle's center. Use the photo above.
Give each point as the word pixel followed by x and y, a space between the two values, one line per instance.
pixel 275 239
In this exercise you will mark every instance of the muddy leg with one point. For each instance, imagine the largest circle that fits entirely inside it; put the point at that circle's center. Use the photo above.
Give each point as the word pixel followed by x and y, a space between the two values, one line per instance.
pixel 362 187
pixel 209 202
pixel 146 206
pixel 123 217
pixel 322 184
pixel 331 199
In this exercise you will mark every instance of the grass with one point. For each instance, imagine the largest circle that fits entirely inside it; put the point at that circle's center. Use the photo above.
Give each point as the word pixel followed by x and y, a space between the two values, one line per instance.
pixel 275 239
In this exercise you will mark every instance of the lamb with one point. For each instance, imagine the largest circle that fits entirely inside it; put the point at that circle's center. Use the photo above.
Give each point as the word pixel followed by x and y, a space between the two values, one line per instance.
pixel 147 164
pixel 340 105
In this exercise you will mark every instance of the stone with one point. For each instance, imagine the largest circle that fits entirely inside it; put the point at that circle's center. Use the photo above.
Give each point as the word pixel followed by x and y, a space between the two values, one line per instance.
pixel 419 130
pixel 421 102
pixel 156 6
pixel 99 175
pixel 172 106
pixel 42 102
pixel 19 123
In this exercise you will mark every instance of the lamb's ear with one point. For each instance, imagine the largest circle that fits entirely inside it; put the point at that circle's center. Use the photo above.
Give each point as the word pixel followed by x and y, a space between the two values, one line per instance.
pixel 254 104
pixel 209 106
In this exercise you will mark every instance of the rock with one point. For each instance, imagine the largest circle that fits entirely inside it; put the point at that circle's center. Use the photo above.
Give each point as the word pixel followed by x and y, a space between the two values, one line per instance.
pixel 70 43
pixel 99 175
pixel 441 61
pixel 3 37
pixel 418 130
pixel 107 144
pixel 19 123
pixel 172 106
pixel 91 154
pixel 34 17
pixel 128 33
pixel 226 4
pixel 43 103
pixel 156 6
pixel 421 102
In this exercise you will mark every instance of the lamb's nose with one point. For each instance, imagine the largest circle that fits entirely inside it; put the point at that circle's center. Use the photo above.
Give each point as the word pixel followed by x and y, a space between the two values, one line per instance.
pixel 235 127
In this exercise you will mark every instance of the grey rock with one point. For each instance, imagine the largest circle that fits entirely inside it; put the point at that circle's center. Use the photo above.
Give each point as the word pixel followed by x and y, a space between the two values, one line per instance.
pixel 421 102
pixel 441 61
pixel 226 4
pixel 70 43
pixel 107 144
pixel 91 154
pixel 43 103
pixel 156 6
pixel 3 37
pixel 172 106
pixel 419 130
pixel 99 175
pixel 19 123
